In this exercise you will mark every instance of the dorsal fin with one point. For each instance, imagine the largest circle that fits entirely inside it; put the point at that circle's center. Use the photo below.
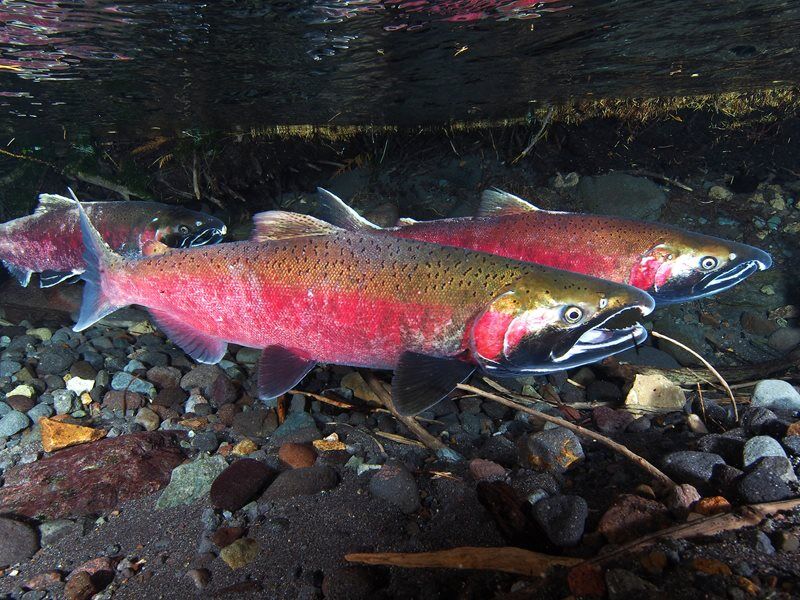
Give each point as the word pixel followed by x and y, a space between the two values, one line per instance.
pixel 281 225
pixel 497 203
pixel 405 221
pixel 334 210
pixel 48 202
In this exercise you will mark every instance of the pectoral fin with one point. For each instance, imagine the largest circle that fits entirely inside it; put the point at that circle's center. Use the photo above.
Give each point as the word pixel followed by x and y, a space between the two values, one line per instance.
pixel 279 370
pixel 200 346
pixel 420 381
pixel 50 278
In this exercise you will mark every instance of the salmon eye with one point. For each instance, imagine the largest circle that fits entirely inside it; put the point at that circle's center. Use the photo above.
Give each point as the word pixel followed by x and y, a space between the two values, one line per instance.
pixel 183 230
pixel 708 262
pixel 572 314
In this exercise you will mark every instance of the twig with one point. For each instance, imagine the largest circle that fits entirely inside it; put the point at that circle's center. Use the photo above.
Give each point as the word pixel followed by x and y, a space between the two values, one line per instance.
pixel 418 430
pixel 535 138
pixel 746 516
pixel 651 469
pixel 399 439
pixel 702 404
pixel 663 178
pixel 508 560
pixel 707 365
pixel 321 398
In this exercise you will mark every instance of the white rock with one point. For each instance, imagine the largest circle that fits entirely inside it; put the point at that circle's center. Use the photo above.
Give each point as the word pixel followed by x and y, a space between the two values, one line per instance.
pixel 79 386
pixel 654 393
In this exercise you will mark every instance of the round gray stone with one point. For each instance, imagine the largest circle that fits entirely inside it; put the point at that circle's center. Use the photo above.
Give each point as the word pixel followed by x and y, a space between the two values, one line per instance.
pixel 13 422
pixel 775 393
pixel 563 518
pixel 758 447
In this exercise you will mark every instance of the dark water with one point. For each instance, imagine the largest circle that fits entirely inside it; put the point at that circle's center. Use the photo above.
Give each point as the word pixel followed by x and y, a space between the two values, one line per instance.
pixel 126 67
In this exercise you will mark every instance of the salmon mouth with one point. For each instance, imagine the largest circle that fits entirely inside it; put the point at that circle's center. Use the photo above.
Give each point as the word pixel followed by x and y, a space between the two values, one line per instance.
pixel 718 282
pixel 205 237
pixel 619 332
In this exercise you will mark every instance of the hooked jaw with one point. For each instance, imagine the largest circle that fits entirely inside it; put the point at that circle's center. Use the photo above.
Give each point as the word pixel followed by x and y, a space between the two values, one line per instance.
pixel 204 237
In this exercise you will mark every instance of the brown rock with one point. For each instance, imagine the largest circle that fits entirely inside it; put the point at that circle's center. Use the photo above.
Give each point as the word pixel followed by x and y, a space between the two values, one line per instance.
pixel 226 413
pixel 92 478
pixel 57 435
pixel 654 562
pixel 587 580
pixel 171 396
pixel 632 516
pixel 164 377
pixel 123 400
pixel 225 536
pixel 793 429
pixel 297 456
pixel 240 483
pixel 20 403
pixel 486 470
pixel 244 447
pixel 711 566
pixel 200 577
pixel 80 587
pixel 301 482
pixel 42 581
pixel 681 498
pixel 755 323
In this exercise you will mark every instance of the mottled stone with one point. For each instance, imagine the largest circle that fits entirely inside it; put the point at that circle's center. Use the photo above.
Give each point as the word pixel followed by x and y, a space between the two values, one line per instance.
pixel 18 542
pixel 13 422
pixel 57 435
pixel 758 447
pixel 690 466
pixel 297 455
pixel 554 450
pixel 631 517
pixel 775 393
pixel 394 484
pixel 300 482
pixel 240 553
pixel 114 469
pixel 191 481
pixel 562 518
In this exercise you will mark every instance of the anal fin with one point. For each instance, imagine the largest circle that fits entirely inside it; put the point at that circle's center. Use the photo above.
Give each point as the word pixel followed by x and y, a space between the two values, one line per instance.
pixel 279 370
pixel 420 381
pixel 200 346
pixel 50 278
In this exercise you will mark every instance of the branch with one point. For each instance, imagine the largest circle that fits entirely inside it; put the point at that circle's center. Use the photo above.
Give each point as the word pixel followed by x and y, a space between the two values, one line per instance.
pixel 660 477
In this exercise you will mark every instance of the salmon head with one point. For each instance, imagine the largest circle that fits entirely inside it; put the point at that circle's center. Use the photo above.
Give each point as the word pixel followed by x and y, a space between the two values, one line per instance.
pixel 686 266
pixel 564 320
pixel 178 227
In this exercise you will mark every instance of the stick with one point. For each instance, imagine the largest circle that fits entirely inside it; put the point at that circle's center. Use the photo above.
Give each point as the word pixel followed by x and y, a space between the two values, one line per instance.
pixel 661 477
pixel 746 516
pixel 663 178
pixel 507 560
pixel 536 138
pixel 418 430
pixel 322 398
pixel 708 366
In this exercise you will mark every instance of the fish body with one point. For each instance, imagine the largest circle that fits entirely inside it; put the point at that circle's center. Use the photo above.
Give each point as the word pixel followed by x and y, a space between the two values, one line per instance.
pixel 669 263
pixel 308 292
pixel 49 241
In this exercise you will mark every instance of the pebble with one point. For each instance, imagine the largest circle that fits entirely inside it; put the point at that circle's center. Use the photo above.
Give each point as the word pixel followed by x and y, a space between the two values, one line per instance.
pixel 654 393
pixel 80 587
pixel 63 401
pixel 624 585
pixel 39 411
pixel 775 393
pixel 55 360
pixel 23 390
pixel 225 536
pixel 758 447
pixel 712 505
pixel 299 482
pixel 244 447
pixel 728 447
pixel 690 466
pixel 394 484
pixel 205 441
pixel 147 419
pixel 553 450
pixel 191 481
pixel 610 421
pixel 13 422
pixel 164 377
pixel 18 542
pixel 297 456
pixel 202 377
pixel 785 339
pixel 57 435
pixel 792 444
pixel 170 396
pixel 563 518
pixel 486 470
pixel 786 542
pixel 239 484
pixel 763 484
pixel 20 403
pixel 126 381
pixel 681 499
pixel 719 193
pixel 240 553
pixel 9 367
pixel 757 420
pixel 632 516
pixel 200 577
pixel 43 581
pixel 122 400
pixel 299 427
pixel 79 385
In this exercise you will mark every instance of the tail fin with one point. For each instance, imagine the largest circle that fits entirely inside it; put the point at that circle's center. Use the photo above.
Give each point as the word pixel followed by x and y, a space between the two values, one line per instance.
pixel 98 258
pixel 335 211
